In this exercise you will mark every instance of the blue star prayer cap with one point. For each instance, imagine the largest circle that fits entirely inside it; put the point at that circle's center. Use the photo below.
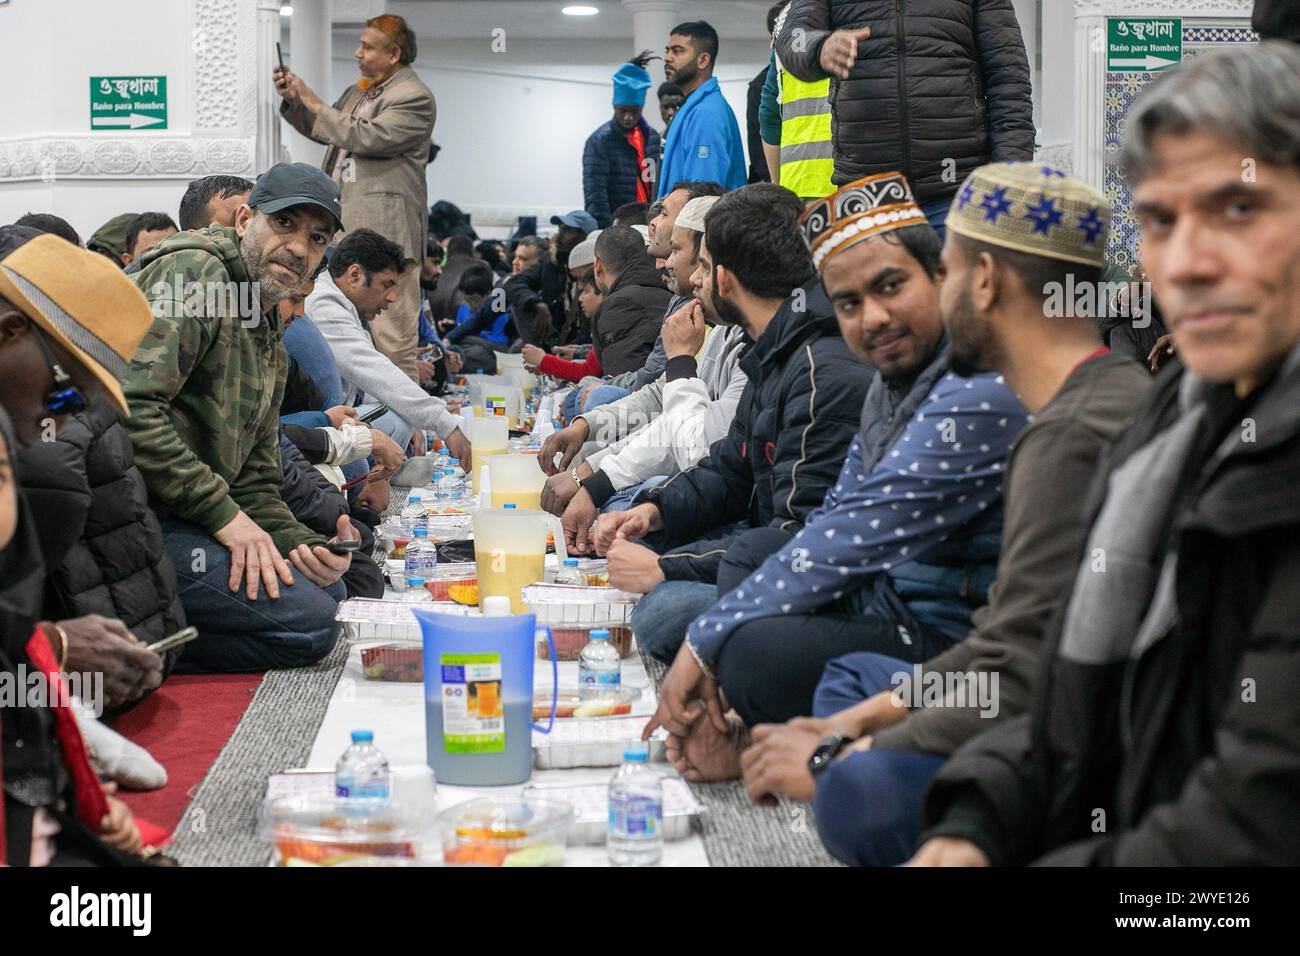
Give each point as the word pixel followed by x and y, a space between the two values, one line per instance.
pixel 1035 209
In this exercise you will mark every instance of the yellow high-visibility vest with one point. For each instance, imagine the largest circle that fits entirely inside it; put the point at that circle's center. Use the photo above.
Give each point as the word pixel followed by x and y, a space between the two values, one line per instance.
pixel 806 160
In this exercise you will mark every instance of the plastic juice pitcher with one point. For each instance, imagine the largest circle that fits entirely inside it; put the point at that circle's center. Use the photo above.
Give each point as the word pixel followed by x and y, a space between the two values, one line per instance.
pixel 518 479
pixel 487 437
pixel 504 402
pixel 487 661
pixel 509 551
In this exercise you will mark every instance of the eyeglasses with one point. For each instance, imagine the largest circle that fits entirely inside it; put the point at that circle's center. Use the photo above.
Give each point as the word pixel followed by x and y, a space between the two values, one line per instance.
pixel 63 398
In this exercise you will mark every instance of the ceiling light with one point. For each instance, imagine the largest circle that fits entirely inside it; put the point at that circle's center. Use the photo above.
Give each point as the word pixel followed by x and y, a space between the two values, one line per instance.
pixel 286 9
pixel 580 10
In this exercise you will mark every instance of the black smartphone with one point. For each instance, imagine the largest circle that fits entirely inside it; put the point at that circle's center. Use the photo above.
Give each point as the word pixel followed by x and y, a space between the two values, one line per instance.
pixel 280 55
pixel 379 412
pixel 336 546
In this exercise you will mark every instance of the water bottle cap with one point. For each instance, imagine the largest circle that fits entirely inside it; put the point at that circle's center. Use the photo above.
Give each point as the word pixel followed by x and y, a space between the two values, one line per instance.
pixel 454 461
pixel 415 582
pixel 414 498
pixel 449 471
pixel 421 532
pixel 570 562
pixel 509 504
pixel 363 736
pixel 599 634
pixel 640 753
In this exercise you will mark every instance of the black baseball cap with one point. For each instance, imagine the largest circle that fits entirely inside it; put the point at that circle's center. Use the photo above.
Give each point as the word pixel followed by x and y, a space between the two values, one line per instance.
pixel 296 184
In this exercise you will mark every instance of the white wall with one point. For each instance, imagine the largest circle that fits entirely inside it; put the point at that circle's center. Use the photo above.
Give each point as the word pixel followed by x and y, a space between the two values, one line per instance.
pixel 512 129
pixel 50 50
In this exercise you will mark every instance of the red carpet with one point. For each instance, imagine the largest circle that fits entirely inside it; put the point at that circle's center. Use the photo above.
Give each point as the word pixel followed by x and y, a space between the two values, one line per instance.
pixel 184 725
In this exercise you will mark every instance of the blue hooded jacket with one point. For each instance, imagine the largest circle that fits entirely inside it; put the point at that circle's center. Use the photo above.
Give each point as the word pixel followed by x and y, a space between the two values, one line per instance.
pixel 704 143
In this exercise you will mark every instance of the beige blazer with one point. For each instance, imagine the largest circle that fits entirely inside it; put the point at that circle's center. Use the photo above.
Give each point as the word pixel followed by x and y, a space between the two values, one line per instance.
pixel 387 191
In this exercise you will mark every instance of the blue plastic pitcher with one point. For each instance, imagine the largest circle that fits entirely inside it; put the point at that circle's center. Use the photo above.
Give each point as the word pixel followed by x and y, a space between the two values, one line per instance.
pixel 478 696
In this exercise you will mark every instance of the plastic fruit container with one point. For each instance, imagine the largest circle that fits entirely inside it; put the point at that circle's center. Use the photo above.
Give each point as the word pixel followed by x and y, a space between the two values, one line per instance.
pixel 570 639
pixel 570 704
pixel 330 832
pixel 394 663
pixel 454 582
pixel 505 831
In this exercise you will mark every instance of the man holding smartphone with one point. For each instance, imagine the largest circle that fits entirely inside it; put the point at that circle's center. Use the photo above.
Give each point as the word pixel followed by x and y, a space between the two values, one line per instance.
pixel 204 390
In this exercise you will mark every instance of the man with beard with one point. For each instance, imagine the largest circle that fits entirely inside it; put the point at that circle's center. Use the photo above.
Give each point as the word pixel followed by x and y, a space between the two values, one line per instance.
pixel 905 544
pixel 1167 706
pixel 786 443
pixel 378 134
pixel 614 167
pixel 537 295
pixel 704 140
pixel 869 708
pixel 670 424
pixel 204 389
pixel 349 303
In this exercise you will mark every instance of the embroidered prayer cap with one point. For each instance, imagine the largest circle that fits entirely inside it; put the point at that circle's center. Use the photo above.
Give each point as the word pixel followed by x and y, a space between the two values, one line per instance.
pixel 1033 208
pixel 856 212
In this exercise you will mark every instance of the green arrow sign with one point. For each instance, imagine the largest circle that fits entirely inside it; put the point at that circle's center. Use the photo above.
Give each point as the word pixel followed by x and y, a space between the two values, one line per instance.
pixel 120 103
pixel 1142 46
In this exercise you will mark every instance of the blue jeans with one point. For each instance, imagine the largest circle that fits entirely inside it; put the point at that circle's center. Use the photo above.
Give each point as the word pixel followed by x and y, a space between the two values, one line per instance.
pixel 660 619
pixel 622 500
pixel 603 395
pixel 307 345
pixel 936 212
pixel 868 805
pixel 239 635
pixel 390 423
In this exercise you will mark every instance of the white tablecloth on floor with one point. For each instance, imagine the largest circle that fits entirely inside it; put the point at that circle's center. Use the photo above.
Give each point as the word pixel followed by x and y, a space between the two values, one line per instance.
pixel 395 712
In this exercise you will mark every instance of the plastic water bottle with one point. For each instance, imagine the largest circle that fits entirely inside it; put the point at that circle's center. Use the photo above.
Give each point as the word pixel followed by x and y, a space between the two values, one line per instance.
pixel 421 555
pixel 569 573
pixel 454 465
pixel 414 509
pixel 450 485
pixel 362 771
pixel 636 811
pixel 598 665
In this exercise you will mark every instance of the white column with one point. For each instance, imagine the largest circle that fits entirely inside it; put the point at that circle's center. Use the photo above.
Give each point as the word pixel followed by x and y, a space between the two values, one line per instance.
pixel 267 136
pixel 309 56
pixel 1027 17
pixel 1089 90
pixel 1056 99
pixel 651 21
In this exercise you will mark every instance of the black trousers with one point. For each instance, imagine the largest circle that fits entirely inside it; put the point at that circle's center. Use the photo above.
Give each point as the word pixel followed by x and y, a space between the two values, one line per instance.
pixel 769 669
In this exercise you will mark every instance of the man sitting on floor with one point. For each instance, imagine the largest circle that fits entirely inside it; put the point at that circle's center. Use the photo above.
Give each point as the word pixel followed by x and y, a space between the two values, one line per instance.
pixel 1167 728
pixel 658 431
pixel 793 424
pixel 359 284
pixel 905 545
pixel 204 389
pixel 998 315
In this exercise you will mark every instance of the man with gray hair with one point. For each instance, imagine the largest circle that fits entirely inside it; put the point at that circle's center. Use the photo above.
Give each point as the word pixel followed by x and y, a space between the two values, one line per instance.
pixel 1167 731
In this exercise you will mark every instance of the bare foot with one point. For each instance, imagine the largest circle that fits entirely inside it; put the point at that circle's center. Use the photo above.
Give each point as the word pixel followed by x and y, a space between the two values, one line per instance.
pixel 707 756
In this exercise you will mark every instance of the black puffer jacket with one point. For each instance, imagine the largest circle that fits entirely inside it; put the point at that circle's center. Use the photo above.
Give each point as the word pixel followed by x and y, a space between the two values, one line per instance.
pixel 937 80
pixel 102 544
pixel 628 321
pixel 797 415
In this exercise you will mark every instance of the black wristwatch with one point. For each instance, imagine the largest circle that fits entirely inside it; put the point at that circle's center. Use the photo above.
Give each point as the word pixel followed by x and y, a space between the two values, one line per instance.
pixel 828 748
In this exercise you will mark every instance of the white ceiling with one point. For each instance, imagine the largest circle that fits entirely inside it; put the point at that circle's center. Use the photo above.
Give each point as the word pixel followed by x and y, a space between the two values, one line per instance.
pixel 542 19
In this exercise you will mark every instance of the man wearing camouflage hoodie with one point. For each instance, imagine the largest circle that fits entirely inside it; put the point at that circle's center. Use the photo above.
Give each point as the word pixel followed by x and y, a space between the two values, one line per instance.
pixel 204 390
